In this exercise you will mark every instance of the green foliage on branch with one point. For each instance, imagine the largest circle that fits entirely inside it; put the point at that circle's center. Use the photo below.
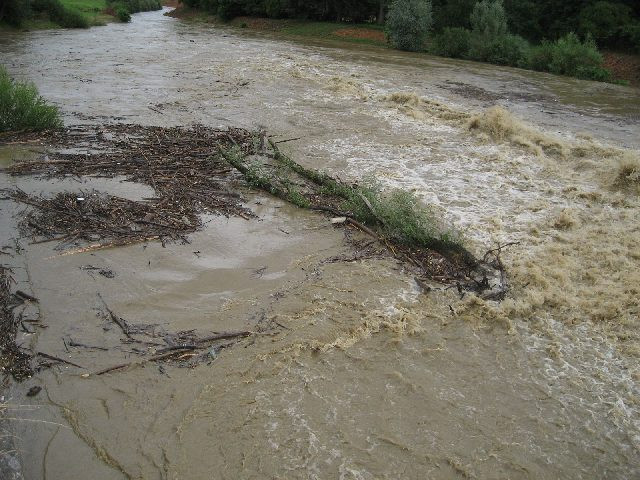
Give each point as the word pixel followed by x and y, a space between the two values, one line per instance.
pixel 490 41
pixel 409 23
pixel 570 56
pixel 124 8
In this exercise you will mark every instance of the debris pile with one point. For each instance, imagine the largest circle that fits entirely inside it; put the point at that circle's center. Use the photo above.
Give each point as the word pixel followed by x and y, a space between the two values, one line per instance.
pixel 193 171
pixel 179 164
pixel 92 216
pixel 14 361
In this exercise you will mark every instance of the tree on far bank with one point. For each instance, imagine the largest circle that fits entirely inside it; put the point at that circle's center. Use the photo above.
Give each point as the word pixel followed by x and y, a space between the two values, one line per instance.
pixel 409 23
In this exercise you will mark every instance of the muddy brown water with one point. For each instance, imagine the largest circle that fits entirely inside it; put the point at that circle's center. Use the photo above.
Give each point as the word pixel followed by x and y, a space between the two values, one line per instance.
pixel 365 377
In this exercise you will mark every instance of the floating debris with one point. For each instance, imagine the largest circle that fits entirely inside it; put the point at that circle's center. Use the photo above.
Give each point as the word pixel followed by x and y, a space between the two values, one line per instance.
pixel 14 361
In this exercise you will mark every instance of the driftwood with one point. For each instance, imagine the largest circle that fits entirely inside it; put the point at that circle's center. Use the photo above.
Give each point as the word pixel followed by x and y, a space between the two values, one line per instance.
pixel 25 296
pixel 57 359
pixel 176 350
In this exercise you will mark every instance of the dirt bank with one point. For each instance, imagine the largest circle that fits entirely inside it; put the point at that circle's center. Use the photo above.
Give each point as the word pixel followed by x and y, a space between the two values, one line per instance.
pixel 624 66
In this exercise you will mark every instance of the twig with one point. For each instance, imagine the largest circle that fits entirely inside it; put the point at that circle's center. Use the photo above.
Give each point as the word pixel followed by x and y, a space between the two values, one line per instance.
pixel 57 359
pixel 25 296
pixel 73 343
pixel 143 361
pixel 287 140
pixel 122 323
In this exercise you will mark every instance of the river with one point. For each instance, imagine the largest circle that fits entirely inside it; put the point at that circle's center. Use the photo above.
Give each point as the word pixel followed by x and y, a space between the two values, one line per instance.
pixel 368 377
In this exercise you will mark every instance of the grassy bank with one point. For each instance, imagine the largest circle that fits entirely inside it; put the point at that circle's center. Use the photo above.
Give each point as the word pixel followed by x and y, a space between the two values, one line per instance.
pixel 363 33
pixel 48 14
pixel 95 11
pixel 63 13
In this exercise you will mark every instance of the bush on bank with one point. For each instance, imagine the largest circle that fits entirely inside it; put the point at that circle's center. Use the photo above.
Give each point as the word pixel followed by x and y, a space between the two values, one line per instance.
pixel 22 108
pixel 490 41
pixel 570 56
pixel 60 14
pixel 409 23
pixel 124 8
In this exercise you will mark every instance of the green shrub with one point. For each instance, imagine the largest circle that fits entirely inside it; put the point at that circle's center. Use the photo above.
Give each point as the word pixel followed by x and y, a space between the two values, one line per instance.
pixel 541 56
pixel 452 14
pixel 123 14
pixel 69 18
pixel 149 5
pixel 503 49
pixel 228 9
pixel 569 56
pixel 452 42
pixel 593 72
pixel 488 19
pixel 58 13
pixel 21 108
pixel 490 40
pixel 408 24
pixel 525 19
pixel 134 6
pixel 14 12
pixel 404 219
pixel 210 6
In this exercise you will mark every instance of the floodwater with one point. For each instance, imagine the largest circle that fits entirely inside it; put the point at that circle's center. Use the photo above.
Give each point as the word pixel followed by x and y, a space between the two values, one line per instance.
pixel 364 376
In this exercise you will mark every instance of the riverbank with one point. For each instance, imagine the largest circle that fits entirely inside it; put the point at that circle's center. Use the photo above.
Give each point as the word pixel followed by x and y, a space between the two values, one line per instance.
pixel 95 13
pixel 354 33
pixel 81 14
pixel 623 66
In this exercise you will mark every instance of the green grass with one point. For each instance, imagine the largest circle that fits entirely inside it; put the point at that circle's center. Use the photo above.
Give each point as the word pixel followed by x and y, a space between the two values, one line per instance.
pixel 91 12
pixel 292 27
pixel 22 108
pixel 397 216
pixel 86 6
